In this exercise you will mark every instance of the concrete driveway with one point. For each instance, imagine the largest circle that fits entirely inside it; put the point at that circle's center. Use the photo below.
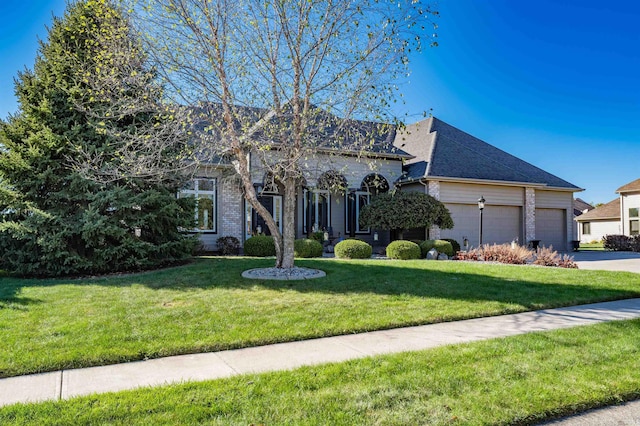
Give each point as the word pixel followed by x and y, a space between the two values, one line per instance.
pixel 607 260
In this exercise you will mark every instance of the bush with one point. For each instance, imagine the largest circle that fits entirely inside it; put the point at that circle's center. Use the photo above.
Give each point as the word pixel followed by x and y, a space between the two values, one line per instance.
pixel 403 250
pixel 353 249
pixel 503 253
pixel 454 244
pixel 317 236
pixel 547 256
pixel 442 246
pixel 228 245
pixel 306 247
pixel 425 246
pixel 621 243
pixel 260 246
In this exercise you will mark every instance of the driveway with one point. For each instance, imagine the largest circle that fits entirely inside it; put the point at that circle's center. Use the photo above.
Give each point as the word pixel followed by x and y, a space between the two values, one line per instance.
pixel 608 260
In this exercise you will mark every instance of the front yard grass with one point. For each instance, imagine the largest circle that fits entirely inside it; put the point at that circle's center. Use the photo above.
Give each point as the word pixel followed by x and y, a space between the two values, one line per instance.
pixel 206 306
pixel 516 380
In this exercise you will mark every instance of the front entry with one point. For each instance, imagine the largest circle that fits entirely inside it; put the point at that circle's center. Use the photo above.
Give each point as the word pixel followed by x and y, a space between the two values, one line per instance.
pixel 255 224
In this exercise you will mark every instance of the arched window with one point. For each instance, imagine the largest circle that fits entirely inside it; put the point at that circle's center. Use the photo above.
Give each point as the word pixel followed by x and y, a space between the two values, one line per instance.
pixel 372 185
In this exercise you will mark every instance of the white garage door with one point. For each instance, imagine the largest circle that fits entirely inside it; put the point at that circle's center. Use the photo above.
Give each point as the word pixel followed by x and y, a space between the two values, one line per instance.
pixel 500 224
pixel 551 228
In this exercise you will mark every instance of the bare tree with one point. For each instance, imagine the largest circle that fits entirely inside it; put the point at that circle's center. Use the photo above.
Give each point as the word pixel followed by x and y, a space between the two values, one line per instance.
pixel 271 77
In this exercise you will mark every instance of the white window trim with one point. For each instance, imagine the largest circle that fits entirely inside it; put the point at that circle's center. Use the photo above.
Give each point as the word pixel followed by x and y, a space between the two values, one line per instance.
pixel 196 192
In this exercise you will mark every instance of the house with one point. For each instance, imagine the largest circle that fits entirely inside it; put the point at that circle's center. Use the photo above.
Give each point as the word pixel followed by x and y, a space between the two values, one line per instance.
pixel 579 208
pixel 617 217
pixel 523 202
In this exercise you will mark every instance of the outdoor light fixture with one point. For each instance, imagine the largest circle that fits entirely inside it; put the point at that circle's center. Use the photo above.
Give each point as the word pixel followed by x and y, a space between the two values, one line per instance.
pixel 375 236
pixel 258 187
pixel 481 208
pixel 326 235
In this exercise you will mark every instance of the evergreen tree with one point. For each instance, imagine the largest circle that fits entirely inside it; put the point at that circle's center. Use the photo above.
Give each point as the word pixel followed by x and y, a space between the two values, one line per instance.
pixel 54 220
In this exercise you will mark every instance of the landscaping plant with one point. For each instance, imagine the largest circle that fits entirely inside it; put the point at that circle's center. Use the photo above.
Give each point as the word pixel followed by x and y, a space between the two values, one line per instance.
pixel 306 247
pixel 353 249
pixel 56 221
pixel 403 250
pixel 260 246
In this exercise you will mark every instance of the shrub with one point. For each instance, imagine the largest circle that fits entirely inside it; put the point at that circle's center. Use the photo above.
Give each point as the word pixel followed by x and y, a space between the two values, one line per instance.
pixel 454 244
pixel 617 243
pixel 353 249
pixel 317 236
pixel 403 250
pixel 445 247
pixel 260 246
pixel 442 246
pixel 547 256
pixel 503 253
pixel 425 246
pixel 228 245
pixel 307 247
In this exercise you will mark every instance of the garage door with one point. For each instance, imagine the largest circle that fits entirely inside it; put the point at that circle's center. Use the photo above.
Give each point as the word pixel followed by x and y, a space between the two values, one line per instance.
pixel 551 228
pixel 500 224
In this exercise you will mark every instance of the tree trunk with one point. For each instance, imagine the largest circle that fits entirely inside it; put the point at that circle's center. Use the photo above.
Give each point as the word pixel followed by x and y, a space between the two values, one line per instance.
pixel 289 227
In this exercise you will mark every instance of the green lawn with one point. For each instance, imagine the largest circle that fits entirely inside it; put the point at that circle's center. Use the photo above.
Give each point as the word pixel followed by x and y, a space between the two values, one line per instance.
pixel 592 246
pixel 205 306
pixel 517 380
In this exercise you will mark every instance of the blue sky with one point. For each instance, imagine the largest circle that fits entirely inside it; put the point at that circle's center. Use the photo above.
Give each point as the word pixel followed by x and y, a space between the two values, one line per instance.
pixel 556 83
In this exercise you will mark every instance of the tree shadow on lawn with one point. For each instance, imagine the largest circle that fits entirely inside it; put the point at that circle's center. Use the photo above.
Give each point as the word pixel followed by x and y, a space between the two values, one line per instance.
pixel 529 287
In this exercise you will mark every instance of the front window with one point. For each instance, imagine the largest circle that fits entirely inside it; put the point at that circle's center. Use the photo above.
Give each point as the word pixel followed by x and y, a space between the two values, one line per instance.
pixel 633 212
pixel 586 228
pixel 204 192
pixel 317 210
pixel 371 185
pixel 634 227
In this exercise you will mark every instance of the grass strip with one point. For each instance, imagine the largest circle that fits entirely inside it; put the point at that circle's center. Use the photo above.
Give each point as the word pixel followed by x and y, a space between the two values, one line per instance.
pixel 207 306
pixel 516 380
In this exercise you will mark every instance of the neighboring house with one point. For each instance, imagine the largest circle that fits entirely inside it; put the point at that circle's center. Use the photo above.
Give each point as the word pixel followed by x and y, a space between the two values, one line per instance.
pixel 617 217
pixel 579 208
pixel 523 202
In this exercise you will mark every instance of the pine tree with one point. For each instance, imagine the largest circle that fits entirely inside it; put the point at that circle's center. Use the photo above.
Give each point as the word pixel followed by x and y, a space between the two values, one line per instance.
pixel 54 220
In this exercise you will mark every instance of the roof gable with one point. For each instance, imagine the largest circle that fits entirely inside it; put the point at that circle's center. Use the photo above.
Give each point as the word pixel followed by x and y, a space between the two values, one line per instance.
pixel 449 152
pixel 630 187
pixel 611 210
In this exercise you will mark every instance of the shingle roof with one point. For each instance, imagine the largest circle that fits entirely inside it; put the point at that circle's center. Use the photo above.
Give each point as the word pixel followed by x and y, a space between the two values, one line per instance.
pixel 611 210
pixel 630 187
pixel 326 131
pixel 579 207
pixel 452 153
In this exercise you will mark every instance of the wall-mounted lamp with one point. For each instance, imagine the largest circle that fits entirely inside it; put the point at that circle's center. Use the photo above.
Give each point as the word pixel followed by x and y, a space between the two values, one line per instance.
pixel 258 187
pixel 375 236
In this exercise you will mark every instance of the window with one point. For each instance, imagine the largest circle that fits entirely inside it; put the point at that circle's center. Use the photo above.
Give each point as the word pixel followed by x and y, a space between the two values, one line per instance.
pixel 633 212
pixel 204 192
pixel 371 185
pixel 317 210
pixel 634 227
pixel 586 228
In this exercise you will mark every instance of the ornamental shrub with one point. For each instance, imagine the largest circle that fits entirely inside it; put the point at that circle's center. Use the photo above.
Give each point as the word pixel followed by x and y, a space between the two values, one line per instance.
pixel 317 236
pixel 445 247
pixel 442 246
pixel 353 249
pixel 228 245
pixel 454 244
pixel 306 247
pixel 617 242
pixel 403 250
pixel 260 246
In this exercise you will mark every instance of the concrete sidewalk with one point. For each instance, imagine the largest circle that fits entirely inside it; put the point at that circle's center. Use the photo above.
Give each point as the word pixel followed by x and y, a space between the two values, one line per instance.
pixel 84 381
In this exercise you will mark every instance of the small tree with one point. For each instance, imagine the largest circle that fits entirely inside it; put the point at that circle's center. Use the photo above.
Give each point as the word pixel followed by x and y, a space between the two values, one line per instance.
pixel 54 221
pixel 399 211
pixel 268 80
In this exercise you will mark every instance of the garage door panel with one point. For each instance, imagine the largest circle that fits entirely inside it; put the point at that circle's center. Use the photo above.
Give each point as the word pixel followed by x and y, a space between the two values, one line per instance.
pixel 501 224
pixel 551 228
